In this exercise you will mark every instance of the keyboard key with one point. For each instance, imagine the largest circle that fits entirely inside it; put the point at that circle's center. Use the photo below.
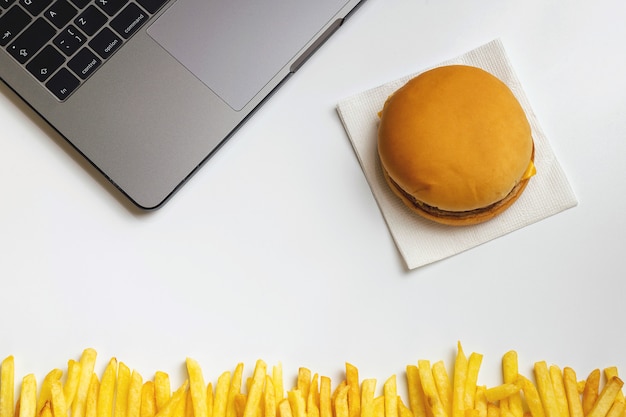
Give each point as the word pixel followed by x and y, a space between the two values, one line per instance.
pixel 60 13
pixel 62 84
pixel 105 43
pixel 69 40
pixel 152 6
pixel 6 3
pixel 90 20
pixel 45 63
pixel 129 20
pixel 31 40
pixel 12 23
pixel 35 7
pixel 111 7
pixel 84 63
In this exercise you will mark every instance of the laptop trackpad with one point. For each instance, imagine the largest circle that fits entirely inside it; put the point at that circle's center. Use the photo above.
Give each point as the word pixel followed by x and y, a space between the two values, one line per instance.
pixel 236 46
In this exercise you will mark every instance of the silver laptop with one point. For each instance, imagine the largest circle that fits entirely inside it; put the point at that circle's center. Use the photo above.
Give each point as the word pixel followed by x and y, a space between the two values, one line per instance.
pixel 148 90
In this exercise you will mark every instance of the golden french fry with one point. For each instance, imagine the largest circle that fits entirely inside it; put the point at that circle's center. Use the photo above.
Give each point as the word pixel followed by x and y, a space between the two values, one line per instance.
pixel 430 390
pixel 390 392
pixel 444 388
pixel 379 406
pixel 209 399
pixel 256 389
pixel 107 390
pixel 403 410
pixel 609 373
pixel 28 397
pixel 44 391
pixel 303 383
pixel 91 402
pixel 556 376
pixel 189 404
pixel 148 400
pixel 368 389
pixel 459 379
pixel 269 398
pixel 591 390
pixel 417 402
pixel 510 369
pixel 121 390
pixel 480 403
pixel 296 401
pixel 618 408
pixel 170 407
pixel 240 404
pixel 606 397
pixel 7 386
pixel 235 388
pixel 71 382
pixel 570 384
pixel 354 394
pixel 341 401
pixel 493 410
pixel 502 391
pixel 220 401
pixel 46 410
pixel 87 363
pixel 197 388
pixel 546 389
pixel 469 391
pixel 162 389
pixel 277 380
pixel 313 400
pixel 57 399
pixel 326 406
pixel 284 409
pixel 133 406
pixel 532 397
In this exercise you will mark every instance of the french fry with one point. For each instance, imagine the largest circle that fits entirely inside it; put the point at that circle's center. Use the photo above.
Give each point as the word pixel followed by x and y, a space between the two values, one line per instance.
pixel 417 403
pixel 297 403
pixel 341 401
pixel 148 400
pixel 618 408
pixel 354 394
pixel 546 389
pixel 269 398
pixel 133 406
pixel 87 363
pixel 303 383
pixel 121 390
pixel 390 392
pixel 458 383
pixel 7 386
pixel 606 397
pixel 326 406
pixel 403 410
pixel 209 399
pixel 28 397
pixel 46 410
pixel 220 401
pixel 480 404
pixel 493 410
pixel 469 391
pixel 256 389
pixel 556 376
pixel 277 380
pixel 368 389
pixel 430 390
pixel 107 389
pixel 499 392
pixel 234 389
pixel 609 373
pixel 197 388
pixel 532 397
pixel 162 389
pixel 284 409
pixel 379 406
pixel 313 400
pixel 57 399
pixel 510 370
pixel 44 391
pixel 71 382
pixel 444 388
pixel 240 404
pixel 170 407
pixel 570 384
pixel 591 390
pixel 91 402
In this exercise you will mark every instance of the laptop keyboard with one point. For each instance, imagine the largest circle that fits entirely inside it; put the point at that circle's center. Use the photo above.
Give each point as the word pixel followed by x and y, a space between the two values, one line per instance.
pixel 63 42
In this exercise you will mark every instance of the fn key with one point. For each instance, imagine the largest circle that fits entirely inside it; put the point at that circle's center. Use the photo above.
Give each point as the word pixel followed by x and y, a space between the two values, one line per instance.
pixel 62 84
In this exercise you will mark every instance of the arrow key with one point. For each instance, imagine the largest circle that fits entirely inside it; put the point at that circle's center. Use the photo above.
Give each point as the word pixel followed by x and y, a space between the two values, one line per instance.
pixel 45 63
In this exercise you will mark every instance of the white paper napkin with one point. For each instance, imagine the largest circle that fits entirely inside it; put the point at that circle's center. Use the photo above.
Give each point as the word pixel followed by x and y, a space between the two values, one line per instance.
pixel 421 241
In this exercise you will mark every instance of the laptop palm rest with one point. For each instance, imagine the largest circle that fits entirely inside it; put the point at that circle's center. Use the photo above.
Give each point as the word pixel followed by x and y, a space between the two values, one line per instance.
pixel 236 46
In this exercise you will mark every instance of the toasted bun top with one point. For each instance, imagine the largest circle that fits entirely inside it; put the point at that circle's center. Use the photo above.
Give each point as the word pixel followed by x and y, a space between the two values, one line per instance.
pixel 455 138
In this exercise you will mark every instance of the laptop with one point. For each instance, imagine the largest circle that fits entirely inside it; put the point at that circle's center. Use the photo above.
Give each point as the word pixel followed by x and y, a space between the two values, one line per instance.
pixel 148 90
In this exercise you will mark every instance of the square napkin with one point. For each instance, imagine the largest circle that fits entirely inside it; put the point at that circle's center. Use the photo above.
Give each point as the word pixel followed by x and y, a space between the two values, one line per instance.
pixel 421 241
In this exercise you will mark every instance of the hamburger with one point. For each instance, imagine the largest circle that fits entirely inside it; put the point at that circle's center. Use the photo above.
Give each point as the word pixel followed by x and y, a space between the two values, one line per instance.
pixel 455 145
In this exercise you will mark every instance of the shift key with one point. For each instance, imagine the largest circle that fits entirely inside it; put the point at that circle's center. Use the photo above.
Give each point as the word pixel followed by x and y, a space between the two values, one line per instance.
pixel 129 20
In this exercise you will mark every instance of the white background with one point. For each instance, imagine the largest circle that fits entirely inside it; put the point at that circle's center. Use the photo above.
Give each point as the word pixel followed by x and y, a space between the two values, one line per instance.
pixel 276 249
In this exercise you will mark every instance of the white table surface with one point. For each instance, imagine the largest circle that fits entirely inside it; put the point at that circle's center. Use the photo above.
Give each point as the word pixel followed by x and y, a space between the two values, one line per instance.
pixel 277 250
